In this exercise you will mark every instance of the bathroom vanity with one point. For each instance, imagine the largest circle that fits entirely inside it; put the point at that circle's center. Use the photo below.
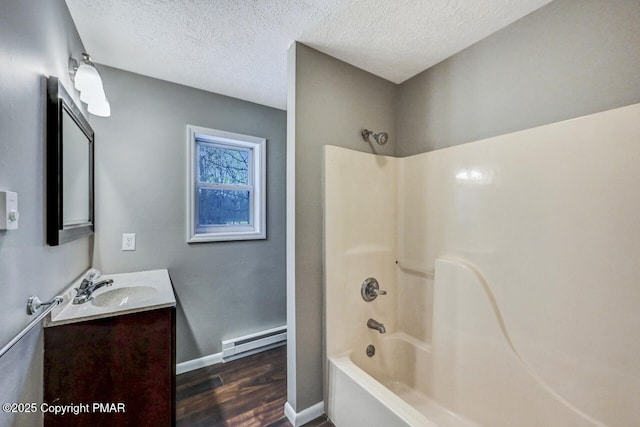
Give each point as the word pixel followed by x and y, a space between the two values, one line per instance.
pixel 111 360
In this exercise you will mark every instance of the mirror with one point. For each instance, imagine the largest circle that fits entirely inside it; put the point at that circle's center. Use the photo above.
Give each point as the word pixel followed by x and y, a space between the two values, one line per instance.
pixel 70 141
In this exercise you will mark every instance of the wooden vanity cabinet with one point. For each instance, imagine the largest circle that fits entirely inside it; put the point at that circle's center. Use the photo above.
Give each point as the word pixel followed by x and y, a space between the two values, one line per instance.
pixel 117 371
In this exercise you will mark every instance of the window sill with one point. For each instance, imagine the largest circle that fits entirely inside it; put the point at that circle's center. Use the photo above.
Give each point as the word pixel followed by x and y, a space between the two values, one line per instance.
pixel 226 237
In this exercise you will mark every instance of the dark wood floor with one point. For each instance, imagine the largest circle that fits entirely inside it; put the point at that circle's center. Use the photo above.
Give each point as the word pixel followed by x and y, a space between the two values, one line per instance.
pixel 248 392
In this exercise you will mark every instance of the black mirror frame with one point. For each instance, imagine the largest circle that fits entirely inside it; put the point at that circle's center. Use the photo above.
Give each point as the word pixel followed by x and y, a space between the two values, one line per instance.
pixel 58 100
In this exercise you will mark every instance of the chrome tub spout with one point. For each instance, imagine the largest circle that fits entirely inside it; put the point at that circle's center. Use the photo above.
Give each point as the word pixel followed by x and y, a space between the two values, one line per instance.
pixel 372 324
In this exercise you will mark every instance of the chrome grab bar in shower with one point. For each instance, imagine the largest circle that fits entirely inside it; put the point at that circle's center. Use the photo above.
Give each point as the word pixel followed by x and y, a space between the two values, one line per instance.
pixel 33 304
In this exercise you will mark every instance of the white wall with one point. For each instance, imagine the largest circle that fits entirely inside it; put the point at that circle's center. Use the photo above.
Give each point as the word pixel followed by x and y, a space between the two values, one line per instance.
pixel 360 223
pixel 549 218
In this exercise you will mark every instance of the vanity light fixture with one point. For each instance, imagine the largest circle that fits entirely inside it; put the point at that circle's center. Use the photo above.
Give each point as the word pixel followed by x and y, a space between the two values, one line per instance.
pixel 88 82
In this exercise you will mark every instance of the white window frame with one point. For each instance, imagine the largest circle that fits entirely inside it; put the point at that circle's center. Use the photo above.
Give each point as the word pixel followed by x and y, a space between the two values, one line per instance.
pixel 257 229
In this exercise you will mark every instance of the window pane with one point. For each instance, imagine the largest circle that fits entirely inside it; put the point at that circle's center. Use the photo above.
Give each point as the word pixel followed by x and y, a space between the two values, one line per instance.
pixel 221 165
pixel 223 207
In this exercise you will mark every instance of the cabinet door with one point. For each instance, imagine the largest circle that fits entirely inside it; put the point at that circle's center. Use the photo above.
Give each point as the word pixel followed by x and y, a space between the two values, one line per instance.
pixel 118 371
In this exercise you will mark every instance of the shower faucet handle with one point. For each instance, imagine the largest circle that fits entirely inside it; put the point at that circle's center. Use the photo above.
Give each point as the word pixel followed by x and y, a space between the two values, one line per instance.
pixel 370 289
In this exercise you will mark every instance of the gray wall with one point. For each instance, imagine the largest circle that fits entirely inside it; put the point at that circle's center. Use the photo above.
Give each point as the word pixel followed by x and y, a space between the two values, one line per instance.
pixel 333 102
pixel 224 289
pixel 36 39
pixel 568 59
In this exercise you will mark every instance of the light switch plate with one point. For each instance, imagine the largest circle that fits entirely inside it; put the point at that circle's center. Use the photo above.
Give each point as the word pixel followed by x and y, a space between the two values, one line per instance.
pixel 128 241
pixel 9 210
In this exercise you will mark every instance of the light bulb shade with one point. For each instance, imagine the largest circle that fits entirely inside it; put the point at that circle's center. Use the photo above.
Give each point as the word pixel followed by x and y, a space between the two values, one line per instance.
pixel 87 78
pixel 93 94
pixel 100 108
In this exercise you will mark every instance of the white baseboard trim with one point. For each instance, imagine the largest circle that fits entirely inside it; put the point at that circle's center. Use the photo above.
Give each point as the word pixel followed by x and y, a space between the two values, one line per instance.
pixel 304 416
pixel 202 362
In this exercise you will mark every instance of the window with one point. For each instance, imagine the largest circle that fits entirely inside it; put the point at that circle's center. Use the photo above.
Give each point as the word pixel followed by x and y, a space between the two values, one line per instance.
pixel 227 186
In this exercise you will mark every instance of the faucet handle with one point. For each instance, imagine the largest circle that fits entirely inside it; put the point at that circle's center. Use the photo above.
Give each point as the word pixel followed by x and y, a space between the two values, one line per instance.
pixel 92 275
pixel 370 289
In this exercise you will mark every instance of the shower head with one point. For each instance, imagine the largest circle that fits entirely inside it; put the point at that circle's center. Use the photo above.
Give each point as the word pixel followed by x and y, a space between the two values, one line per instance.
pixel 380 137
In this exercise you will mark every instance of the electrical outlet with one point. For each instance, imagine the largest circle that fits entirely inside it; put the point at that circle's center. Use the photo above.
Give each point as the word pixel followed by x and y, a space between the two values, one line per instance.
pixel 128 241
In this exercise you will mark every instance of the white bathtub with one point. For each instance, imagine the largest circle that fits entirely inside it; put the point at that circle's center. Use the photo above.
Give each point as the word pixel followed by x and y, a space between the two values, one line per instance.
pixel 389 389
pixel 472 372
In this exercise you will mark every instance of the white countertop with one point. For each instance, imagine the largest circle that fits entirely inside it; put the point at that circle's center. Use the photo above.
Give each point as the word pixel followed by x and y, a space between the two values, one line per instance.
pixel 155 292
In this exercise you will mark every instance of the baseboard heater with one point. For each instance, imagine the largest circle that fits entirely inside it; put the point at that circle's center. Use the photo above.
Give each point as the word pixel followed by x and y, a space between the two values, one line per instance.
pixel 247 345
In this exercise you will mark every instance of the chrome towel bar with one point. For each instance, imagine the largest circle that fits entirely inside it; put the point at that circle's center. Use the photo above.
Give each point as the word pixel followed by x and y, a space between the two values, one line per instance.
pixel 33 304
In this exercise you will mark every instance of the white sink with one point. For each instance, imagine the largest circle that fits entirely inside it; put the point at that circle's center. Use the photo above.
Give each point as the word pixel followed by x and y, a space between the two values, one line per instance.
pixel 125 295
pixel 130 293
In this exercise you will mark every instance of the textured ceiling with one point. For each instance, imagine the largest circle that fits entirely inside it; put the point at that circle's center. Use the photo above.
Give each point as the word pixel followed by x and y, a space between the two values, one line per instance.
pixel 239 47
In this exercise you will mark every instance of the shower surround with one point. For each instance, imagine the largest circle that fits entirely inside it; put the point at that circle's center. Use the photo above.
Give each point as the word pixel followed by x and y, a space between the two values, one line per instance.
pixel 511 266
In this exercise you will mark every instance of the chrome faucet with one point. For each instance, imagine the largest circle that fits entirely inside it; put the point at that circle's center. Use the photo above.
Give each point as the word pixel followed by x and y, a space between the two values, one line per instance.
pixel 89 286
pixel 372 324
